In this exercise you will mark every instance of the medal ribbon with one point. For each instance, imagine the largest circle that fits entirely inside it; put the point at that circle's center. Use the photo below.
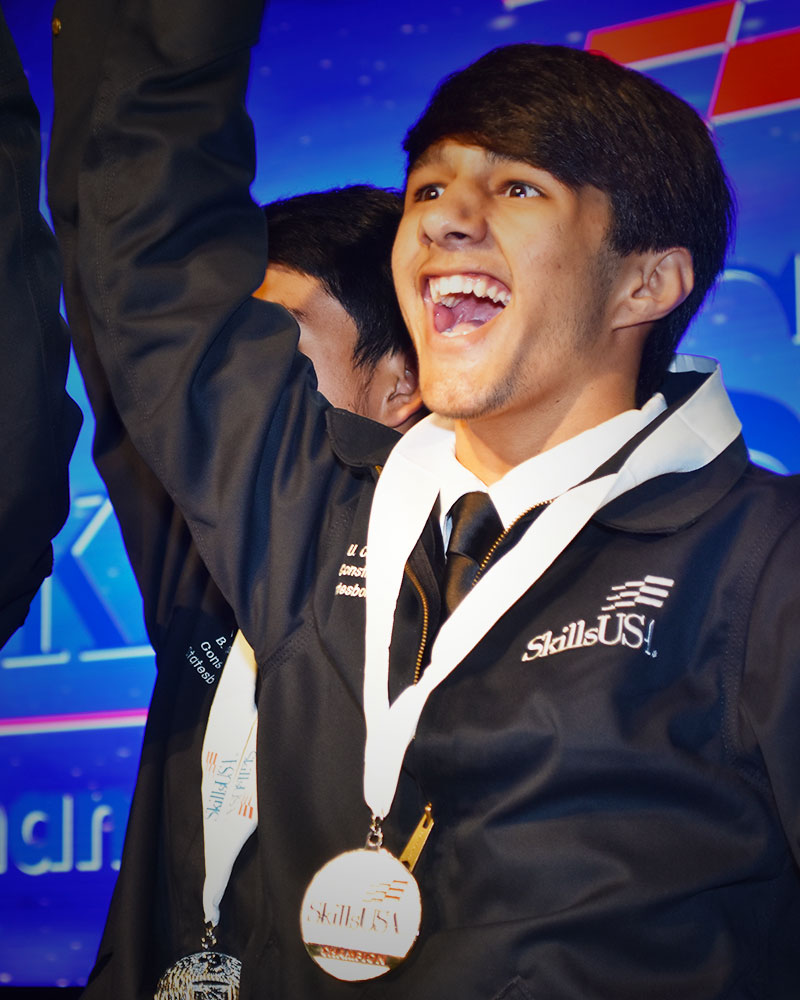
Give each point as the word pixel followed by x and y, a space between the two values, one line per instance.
pixel 230 805
pixel 404 498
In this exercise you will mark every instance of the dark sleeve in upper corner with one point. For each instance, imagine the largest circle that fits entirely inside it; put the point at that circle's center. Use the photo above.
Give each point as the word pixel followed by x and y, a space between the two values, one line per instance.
pixel 771 684
pixel 39 422
pixel 157 539
pixel 170 249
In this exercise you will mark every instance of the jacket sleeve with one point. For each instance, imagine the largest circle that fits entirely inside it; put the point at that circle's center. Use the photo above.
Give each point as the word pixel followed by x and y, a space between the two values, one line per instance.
pixel 157 539
pixel 170 249
pixel 770 697
pixel 39 421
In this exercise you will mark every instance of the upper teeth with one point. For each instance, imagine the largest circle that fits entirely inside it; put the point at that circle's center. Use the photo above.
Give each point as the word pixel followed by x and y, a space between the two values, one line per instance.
pixel 446 288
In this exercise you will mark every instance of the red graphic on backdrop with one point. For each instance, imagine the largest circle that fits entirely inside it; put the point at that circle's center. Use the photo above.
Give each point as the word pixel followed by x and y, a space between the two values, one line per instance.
pixel 756 75
pixel 704 28
pixel 759 73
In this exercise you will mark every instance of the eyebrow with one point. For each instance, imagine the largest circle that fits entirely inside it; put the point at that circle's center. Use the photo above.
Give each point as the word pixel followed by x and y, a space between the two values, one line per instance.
pixel 424 159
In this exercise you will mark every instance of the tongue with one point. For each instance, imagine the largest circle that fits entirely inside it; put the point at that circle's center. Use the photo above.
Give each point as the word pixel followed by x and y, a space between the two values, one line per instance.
pixel 442 317
pixel 468 309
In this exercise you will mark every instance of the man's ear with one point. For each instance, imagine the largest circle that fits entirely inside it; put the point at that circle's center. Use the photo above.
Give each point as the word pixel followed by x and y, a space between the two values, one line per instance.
pixel 395 385
pixel 656 283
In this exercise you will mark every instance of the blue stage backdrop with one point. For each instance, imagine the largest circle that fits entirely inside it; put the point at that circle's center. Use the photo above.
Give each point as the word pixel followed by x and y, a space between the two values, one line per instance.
pixel 334 86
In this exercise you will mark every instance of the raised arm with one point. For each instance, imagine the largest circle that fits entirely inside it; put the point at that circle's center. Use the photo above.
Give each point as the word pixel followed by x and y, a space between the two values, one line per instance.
pixel 156 537
pixel 39 422
pixel 170 248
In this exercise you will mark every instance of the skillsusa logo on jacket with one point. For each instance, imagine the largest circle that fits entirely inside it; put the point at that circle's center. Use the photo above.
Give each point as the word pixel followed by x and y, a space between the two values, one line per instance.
pixel 616 625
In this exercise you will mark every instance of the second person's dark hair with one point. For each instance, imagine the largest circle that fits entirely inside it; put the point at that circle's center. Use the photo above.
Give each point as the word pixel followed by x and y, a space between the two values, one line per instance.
pixel 343 237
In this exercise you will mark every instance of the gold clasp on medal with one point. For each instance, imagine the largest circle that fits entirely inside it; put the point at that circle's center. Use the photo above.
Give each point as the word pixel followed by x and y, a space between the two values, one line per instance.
pixel 375 835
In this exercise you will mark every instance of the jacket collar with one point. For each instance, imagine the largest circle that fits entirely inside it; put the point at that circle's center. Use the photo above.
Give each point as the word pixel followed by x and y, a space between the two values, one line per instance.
pixel 358 441
pixel 698 415
pixel 667 499
pixel 670 502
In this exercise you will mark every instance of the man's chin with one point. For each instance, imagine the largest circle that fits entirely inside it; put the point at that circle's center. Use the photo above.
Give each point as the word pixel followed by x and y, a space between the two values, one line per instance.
pixel 454 406
pixel 476 400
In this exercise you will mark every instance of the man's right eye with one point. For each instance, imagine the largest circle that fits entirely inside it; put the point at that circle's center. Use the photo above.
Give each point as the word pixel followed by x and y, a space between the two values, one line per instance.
pixel 428 192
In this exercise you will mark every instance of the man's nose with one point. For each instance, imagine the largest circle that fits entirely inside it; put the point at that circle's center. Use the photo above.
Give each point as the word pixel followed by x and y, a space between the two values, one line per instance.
pixel 456 218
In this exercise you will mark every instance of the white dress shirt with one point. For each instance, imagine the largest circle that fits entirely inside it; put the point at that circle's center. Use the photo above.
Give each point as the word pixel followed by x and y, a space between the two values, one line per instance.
pixel 546 475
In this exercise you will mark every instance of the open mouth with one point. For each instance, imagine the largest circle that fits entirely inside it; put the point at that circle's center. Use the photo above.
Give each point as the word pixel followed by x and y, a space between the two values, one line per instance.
pixel 463 302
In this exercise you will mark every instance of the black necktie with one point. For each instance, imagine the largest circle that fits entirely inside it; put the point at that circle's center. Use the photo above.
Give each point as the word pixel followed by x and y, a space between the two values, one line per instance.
pixel 475 527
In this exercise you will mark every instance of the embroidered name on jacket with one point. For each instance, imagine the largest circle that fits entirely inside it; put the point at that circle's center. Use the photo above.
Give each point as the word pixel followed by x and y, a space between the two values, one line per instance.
pixel 352 574
pixel 614 626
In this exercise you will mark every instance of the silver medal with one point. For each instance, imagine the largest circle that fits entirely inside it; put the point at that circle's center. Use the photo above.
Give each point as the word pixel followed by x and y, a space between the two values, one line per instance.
pixel 206 975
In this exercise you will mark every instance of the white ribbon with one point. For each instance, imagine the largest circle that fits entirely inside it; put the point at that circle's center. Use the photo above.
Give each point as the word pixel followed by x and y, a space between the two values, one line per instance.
pixel 230 804
pixel 406 492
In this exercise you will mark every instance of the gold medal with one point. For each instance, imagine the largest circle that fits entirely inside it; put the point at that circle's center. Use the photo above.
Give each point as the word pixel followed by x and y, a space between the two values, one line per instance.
pixel 361 913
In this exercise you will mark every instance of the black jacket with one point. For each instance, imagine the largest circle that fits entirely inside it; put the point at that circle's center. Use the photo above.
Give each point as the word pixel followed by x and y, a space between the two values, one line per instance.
pixel 40 422
pixel 615 791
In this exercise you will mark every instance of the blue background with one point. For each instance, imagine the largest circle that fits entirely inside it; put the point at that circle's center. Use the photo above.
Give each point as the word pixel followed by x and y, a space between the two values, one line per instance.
pixel 334 86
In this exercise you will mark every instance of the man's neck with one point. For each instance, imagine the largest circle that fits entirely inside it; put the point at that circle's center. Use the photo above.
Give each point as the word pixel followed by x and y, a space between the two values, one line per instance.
pixel 491 446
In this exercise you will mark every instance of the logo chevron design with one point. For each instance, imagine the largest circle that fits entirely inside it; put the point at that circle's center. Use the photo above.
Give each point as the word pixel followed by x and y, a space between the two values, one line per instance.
pixel 652 590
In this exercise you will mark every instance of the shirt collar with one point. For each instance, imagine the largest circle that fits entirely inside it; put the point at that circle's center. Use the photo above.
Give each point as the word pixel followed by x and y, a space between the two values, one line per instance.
pixel 541 478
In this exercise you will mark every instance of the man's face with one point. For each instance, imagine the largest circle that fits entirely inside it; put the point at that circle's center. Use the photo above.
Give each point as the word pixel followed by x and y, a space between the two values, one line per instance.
pixel 328 333
pixel 503 277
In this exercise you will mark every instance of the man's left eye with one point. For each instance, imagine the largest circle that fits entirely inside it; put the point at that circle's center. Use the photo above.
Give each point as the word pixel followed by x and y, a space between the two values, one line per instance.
pixel 519 189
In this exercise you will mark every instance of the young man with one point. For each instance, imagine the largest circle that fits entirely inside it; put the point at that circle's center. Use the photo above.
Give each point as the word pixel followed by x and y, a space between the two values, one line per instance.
pixel 604 725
